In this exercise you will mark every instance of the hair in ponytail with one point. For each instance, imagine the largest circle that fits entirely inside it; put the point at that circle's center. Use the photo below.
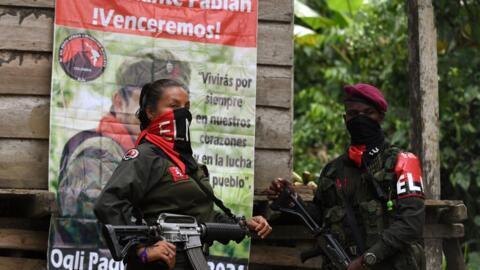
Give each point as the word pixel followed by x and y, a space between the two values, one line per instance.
pixel 150 95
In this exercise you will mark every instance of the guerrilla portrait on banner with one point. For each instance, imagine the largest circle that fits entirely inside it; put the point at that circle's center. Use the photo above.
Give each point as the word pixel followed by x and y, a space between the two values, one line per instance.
pixel 104 52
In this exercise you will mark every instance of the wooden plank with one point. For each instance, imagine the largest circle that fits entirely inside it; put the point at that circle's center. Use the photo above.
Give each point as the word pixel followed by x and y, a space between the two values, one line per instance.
pixel 275 42
pixel 24 164
pixel 442 203
pixel 270 10
pixel 35 224
pixel 275 10
pixel 439 231
pixel 274 84
pixel 31 121
pixel 453 214
pixel 24 117
pixel 281 256
pixel 273 128
pixel 23 240
pixel 29 3
pixel 35 26
pixel 26 203
pixel 22 263
pixel 270 164
pixel 423 85
pixel 23 73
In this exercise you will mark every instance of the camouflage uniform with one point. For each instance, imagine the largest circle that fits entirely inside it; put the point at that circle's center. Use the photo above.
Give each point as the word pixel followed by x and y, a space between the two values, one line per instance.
pixel 392 234
pixel 89 158
pixel 150 184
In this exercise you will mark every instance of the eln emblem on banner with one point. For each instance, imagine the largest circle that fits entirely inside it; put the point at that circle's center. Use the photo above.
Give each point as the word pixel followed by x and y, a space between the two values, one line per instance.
pixel 82 57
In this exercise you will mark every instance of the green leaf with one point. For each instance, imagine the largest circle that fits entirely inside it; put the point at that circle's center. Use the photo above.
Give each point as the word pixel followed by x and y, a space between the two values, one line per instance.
pixel 319 22
pixel 345 6
pixel 300 31
pixel 311 17
pixel 302 10
pixel 310 40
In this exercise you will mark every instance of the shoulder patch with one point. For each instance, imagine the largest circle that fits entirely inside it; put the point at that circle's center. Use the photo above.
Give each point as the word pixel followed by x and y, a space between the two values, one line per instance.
pixel 409 173
pixel 131 154
pixel 177 174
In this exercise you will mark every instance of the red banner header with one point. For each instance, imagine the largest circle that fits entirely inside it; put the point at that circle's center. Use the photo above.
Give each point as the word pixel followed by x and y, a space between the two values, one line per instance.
pixel 226 22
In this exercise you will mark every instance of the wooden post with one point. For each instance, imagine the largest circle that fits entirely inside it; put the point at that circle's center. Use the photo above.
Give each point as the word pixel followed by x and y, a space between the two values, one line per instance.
pixel 423 84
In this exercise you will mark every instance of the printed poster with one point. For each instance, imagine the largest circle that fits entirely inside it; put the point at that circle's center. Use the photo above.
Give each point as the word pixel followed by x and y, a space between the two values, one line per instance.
pixel 104 52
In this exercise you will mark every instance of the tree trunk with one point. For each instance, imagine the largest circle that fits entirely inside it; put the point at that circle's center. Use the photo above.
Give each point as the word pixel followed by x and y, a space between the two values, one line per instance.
pixel 423 84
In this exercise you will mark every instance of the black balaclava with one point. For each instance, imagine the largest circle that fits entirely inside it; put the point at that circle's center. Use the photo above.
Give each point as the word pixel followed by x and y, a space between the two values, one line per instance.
pixel 366 131
pixel 182 144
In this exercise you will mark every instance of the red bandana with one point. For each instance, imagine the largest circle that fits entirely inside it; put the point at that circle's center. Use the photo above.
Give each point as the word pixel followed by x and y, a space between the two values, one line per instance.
pixel 110 127
pixel 355 153
pixel 161 132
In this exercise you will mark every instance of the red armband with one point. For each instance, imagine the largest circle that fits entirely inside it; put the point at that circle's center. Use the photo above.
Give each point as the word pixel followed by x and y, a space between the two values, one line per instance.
pixel 409 176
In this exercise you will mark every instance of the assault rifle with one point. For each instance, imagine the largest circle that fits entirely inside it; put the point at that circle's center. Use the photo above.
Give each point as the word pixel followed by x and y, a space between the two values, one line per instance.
pixel 289 202
pixel 184 231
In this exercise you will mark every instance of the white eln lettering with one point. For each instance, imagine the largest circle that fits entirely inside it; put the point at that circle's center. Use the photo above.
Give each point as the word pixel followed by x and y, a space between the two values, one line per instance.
pixel 187 131
pixel 411 184
pixel 401 185
pixel 162 124
pixel 174 129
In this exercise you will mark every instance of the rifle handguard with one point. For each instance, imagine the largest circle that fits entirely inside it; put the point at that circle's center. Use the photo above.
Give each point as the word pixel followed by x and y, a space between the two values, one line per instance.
pixel 223 233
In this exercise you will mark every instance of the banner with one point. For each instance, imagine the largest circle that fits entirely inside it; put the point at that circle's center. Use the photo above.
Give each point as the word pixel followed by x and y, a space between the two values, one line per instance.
pixel 104 52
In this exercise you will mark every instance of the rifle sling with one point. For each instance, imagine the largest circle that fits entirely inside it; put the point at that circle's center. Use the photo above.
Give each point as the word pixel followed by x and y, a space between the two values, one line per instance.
pixel 214 198
pixel 350 215
pixel 210 194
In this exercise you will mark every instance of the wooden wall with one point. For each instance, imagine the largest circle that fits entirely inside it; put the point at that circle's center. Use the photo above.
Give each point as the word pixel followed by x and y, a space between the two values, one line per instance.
pixel 26 29
pixel 26 36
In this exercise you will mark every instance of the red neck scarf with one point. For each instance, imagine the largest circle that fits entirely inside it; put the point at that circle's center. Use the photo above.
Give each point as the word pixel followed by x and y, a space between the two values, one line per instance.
pixel 161 132
pixel 355 153
pixel 110 127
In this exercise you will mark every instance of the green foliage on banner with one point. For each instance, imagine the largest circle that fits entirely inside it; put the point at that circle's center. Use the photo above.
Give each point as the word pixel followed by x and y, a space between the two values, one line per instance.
pixel 367 41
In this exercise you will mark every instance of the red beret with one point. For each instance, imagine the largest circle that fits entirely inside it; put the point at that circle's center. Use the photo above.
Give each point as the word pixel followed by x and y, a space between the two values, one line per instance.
pixel 368 93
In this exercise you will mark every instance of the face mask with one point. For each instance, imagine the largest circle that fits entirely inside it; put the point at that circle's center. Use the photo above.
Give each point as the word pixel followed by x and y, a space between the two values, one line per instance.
pixel 182 120
pixel 174 127
pixel 366 131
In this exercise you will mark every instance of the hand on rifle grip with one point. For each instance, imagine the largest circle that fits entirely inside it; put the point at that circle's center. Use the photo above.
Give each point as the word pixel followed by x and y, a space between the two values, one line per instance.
pixel 277 186
pixel 162 250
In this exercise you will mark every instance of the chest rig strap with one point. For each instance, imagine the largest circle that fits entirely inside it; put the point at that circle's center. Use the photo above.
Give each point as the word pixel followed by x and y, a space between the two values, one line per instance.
pixel 350 215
